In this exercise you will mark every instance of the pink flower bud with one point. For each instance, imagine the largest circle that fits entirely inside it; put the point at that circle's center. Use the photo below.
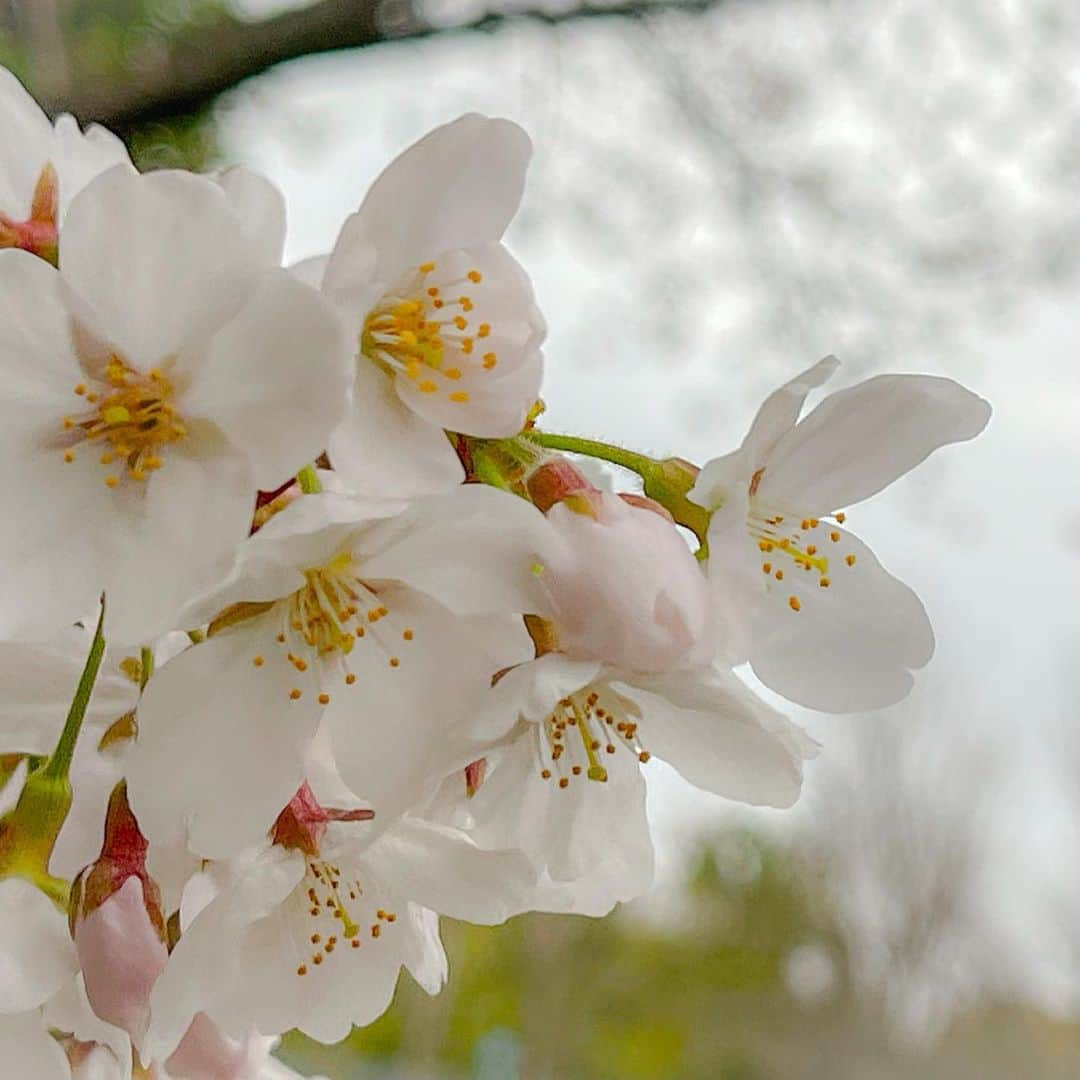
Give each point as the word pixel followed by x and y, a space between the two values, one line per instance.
pixel 122 954
pixel 554 481
pixel 625 587
pixel 117 923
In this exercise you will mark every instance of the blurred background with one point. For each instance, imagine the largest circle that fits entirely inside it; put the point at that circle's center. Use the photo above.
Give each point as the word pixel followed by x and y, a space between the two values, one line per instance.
pixel 722 192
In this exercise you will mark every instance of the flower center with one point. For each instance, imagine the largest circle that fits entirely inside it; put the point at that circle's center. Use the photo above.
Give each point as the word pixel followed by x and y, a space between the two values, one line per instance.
pixel 581 728
pixel 323 622
pixel 426 330
pixel 132 419
pixel 335 913
pixel 790 544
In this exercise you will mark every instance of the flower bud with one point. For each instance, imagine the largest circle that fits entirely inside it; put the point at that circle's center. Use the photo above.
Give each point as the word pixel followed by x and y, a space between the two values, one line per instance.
pixel 557 480
pixel 117 923
pixel 624 586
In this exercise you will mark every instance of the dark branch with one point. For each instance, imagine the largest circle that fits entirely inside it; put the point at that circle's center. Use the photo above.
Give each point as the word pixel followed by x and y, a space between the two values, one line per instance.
pixel 201 64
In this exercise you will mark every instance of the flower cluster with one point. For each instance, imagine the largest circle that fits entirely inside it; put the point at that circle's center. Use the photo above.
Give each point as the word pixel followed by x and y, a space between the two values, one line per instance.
pixel 313 633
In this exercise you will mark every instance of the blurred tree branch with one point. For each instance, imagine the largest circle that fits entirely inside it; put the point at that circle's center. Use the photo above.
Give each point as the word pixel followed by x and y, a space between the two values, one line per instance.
pixel 199 64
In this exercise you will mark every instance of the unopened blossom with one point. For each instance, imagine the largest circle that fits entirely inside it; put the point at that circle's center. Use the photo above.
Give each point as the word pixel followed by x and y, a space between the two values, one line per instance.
pixel 166 372
pixel 622 584
pixel 310 929
pixel 118 924
pixel 43 166
pixel 568 732
pixel 823 622
pixel 447 332
pixel 383 623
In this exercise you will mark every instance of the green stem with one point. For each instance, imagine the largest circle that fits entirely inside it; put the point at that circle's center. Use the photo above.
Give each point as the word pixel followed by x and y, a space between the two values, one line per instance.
pixel 28 832
pixel 665 482
pixel 642 464
pixel 308 480
pixel 59 764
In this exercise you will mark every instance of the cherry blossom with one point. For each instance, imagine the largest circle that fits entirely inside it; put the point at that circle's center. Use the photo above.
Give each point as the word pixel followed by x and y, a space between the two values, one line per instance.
pixel 137 383
pixel 448 332
pixel 823 622
pixel 382 622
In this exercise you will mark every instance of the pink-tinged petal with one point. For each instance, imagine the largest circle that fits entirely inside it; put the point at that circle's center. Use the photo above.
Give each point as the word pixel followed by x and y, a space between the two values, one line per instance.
pixel 221 741
pixel 26 1047
pixel 382 447
pixel 457 187
pixel 720 736
pixel 276 379
pixel 161 260
pixel 859 440
pixel 625 588
pixel 36 953
pixel 849 647
pixel 121 956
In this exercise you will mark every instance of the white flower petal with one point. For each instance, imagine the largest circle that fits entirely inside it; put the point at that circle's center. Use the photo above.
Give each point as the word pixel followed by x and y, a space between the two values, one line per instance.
pixel 207 965
pixel 80 156
pixel 310 270
pixel 859 440
pixel 221 745
pixel 590 838
pixel 721 736
pixel 260 205
pixel 422 950
pixel 850 646
pixel 36 952
pixel 476 549
pixel 161 259
pixel 382 447
pixel 26 1047
pixel 402 727
pixel 780 411
pixel 27 146
pixel 38 683
pixel 440 868
pixel 275 386
pixel 70 1012
pixel 457 187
